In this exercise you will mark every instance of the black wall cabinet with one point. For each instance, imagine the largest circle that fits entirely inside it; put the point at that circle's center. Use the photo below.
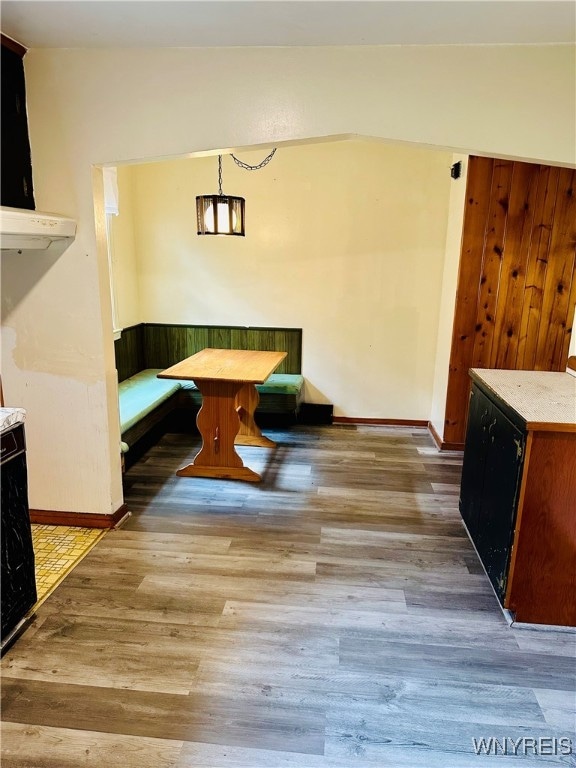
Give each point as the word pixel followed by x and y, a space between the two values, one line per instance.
pixel 16 166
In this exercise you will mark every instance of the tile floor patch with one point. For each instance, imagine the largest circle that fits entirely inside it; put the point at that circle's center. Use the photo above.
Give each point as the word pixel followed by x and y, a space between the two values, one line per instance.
pixel 57 549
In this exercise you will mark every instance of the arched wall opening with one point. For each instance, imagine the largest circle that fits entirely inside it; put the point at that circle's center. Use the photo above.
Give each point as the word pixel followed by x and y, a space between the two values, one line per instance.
pixel 91 107
pixel 345 239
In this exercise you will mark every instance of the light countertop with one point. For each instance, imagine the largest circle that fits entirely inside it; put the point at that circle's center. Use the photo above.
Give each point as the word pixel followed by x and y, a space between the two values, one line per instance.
pixel 10 417
pixel 545 400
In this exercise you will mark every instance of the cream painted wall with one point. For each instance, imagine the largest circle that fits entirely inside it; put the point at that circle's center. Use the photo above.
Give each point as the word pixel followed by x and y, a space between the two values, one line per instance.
pixel 344 240
pixel 58 364
pixel 456 207
pixel 123 255
pixel 88 107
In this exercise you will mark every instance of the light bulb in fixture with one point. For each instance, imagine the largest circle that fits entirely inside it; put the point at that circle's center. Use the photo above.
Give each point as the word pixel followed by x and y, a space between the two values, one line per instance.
pixel 222 213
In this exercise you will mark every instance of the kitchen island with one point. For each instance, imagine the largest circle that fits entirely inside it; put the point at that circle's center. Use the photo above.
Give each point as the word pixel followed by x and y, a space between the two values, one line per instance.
pixel 518 490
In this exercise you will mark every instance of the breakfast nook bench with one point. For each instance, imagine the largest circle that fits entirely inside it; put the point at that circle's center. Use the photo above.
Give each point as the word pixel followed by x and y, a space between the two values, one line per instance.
pixel 143 351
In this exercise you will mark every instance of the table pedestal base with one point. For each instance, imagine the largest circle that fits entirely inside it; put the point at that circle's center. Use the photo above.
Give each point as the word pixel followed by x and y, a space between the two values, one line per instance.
pixel 228 473
pixel 261 442
pixel 249 433
pixel 225 418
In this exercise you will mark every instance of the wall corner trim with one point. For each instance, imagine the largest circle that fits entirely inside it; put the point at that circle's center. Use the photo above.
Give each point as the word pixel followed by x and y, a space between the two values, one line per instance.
pixel 13 45
pixel 442 445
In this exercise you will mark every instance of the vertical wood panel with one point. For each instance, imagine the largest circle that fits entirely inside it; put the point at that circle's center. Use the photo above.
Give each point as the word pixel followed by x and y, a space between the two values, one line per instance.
pixel 196 339
pixel 129 352
pixel 537 264
pixel 516 285
pixel 559 277
pixel 513 282
pixel 570 320
pixel 164 345
pixel 218 338
pixel 492 264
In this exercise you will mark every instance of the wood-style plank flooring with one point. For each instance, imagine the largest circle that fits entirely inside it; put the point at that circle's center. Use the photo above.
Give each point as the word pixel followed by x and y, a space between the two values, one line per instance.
pixel 333 616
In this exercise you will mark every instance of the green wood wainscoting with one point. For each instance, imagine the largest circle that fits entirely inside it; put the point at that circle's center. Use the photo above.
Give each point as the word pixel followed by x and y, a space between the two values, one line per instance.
pixel 151 406
pixel 160 345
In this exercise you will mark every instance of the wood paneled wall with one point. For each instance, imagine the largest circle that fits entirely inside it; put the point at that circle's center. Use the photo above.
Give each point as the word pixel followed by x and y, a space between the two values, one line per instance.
pixel 129 351
pixel 516 286
pixel 159 345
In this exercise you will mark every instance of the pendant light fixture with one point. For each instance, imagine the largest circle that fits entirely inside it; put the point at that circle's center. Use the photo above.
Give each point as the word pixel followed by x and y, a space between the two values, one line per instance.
pixel 220 214
pixel 224 214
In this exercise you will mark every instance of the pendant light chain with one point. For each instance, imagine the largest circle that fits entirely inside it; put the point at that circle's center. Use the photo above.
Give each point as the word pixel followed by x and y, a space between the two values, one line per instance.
pixel 220 176
pixel 224 214
pixel 253 167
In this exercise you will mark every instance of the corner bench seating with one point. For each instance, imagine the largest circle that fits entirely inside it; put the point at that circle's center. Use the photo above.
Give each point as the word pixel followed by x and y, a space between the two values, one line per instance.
pixel 145 401
pixel 143 393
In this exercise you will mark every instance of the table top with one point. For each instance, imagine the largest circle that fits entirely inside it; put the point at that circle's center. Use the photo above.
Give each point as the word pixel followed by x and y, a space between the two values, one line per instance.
pixel 545 400
pixel 247 365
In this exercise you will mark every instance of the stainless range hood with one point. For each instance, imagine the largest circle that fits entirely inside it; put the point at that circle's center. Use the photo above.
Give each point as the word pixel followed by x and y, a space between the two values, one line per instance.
pixel 24 231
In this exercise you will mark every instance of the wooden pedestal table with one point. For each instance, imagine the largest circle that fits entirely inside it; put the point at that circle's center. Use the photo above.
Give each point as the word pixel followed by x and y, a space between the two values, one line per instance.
pixel 226 379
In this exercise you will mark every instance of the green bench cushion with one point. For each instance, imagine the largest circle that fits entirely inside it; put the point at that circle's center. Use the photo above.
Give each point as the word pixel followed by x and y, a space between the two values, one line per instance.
pixel 140 394
pixel 281 393
pixel 275 384
pixel 281 384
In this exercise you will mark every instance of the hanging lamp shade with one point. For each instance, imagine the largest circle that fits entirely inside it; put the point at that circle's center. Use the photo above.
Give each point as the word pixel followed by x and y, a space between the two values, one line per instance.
pixel 220 215
pixel 224 214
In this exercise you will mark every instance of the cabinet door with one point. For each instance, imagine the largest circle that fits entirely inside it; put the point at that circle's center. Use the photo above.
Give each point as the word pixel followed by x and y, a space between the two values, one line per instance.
pixel 497 514
pixel 479 414
pixel 491 474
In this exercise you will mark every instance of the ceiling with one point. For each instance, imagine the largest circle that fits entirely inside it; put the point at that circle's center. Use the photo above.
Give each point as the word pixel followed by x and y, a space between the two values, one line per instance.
pixel 193 23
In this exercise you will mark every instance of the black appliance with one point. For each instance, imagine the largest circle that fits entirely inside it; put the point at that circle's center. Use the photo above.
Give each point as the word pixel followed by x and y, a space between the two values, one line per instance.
pixel 18 584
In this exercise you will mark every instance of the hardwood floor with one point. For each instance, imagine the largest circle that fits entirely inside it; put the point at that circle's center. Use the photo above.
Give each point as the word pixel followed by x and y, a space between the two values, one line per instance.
pixel 333 616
